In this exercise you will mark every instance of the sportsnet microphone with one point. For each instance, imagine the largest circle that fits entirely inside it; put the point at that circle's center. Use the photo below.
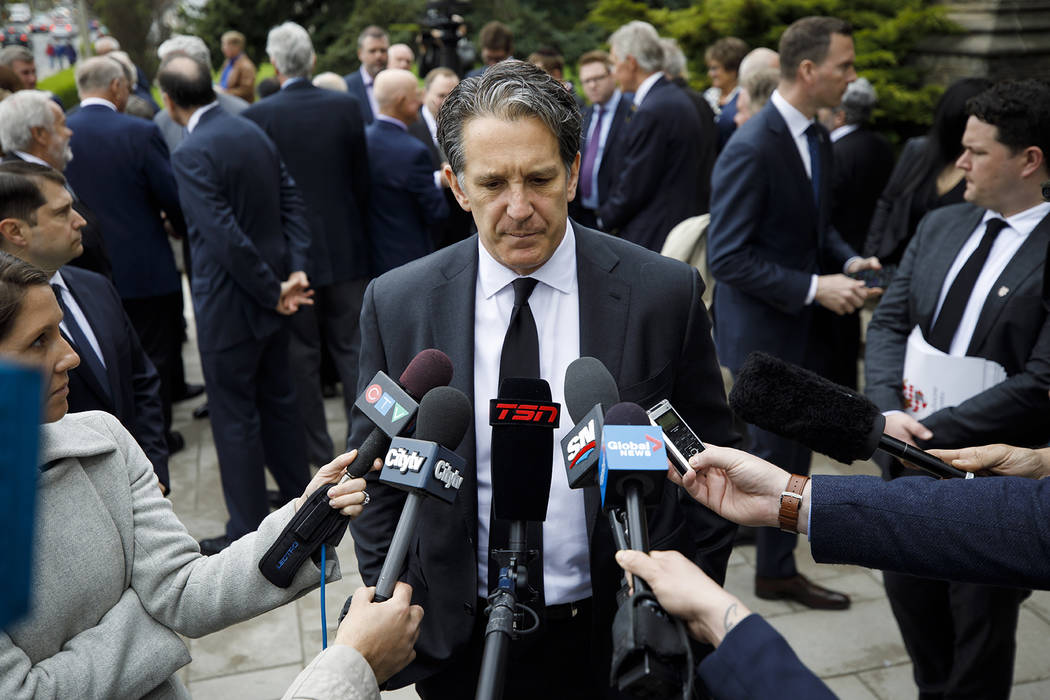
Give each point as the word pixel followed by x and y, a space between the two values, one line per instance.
pixel 424 466
pixel 391 406
pixel 825 417
pixel 523 420
pixel 590 391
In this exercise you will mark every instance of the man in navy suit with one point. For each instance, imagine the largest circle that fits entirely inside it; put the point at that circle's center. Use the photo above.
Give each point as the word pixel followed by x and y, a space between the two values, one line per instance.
pixel 321 139
pixel 776 256
pixel 121 169
pixel 114 375
pixel 372 46
pixel 656 185
pixel 251 243
pixel 603 128
pixel 406 203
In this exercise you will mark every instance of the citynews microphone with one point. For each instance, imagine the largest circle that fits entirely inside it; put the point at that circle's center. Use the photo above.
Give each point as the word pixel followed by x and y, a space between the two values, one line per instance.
pixel 825 417
pixel 391 406
pixel 590 391
pixel 424 466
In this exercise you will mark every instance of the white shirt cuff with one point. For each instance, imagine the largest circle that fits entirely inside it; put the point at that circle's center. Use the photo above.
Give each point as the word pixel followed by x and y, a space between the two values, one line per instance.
pixel 845 266
pixel 812 293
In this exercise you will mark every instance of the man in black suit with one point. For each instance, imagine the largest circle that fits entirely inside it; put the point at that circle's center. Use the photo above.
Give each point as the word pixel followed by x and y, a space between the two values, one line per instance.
pixel 321 138
pixel 512 139
pixel 114 375
pixel 972 281
pixel 604 123
pixel 250 242
pixel 657 183
pixel 372 46
pixel 675 71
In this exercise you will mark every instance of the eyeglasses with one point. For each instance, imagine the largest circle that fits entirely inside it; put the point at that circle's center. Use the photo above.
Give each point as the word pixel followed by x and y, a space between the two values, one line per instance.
pixel 596 80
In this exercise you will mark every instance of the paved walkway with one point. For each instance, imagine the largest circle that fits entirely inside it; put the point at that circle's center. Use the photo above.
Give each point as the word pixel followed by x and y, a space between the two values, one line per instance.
pixel 858 652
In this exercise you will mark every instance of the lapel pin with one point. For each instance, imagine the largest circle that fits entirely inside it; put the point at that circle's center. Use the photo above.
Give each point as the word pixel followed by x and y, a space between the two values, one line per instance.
pixel 1003 291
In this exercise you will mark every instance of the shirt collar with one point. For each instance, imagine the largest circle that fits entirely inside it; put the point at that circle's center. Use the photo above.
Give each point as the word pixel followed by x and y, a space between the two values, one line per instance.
pixel 796 121
pixel 196 116
pixel 392 120
pixel 1024 222
pixel 843 131
pixel 610 104
pixel 56 279
pixel 366 76
pixel 30 158
pixel 292 81
pixel 559 272
pixel 88 101
pixel 645 87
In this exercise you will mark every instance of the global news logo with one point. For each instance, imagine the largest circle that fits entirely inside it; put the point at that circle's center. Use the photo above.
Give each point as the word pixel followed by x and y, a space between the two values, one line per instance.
pixel 630 448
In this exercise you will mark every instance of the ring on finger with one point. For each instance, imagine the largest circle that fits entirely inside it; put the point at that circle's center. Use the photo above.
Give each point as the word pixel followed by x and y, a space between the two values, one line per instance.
pixel 367 498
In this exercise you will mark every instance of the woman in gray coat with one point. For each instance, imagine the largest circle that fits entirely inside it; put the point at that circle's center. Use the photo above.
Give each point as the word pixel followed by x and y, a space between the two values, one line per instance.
pixel 116 576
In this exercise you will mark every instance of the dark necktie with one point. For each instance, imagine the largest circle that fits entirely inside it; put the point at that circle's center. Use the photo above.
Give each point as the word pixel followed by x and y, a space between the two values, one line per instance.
pixel 958 296
pixel 83 346
pixel 590 155
pixel 520 358
pixel 813 138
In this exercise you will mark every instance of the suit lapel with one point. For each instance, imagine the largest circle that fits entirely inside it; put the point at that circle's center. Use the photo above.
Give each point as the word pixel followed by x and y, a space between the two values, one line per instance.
pixel 941 256
pixel 104 336
pixel 792 158
pixel 1024 263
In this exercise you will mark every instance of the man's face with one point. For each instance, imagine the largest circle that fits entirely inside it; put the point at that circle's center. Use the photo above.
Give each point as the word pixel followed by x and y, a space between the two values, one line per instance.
pixel 59 152
pixel 625 70
pixel 26 72
pixel 231 49
pixel 836 72
pixel 438 91
pixel 598 82
pixel 372 54
pixel 55 239
pixel 993 173
pixel 400 56
pixel 491 57
pixel 515 185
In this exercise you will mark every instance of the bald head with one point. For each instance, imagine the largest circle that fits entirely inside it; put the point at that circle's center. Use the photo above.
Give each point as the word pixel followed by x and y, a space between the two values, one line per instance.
pixel 400 56
pixel 106 44
pixel 757 60
pixel 397 94
pixel 186 84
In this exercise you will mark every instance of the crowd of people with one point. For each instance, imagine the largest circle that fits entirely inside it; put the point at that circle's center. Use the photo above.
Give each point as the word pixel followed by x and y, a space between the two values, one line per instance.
pixel 334 226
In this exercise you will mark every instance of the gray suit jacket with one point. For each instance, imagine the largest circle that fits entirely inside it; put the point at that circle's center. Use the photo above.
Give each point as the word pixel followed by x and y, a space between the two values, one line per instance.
pixel 117 578
pixel 1013 330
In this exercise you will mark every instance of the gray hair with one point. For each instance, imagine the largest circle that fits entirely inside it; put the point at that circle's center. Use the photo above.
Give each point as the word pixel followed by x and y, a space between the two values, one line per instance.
pixel 105 44
pixel 96 73
pixel 509 91
pixel 639 39
pixel 760 84
pixel 291 50
pixel 858 101
pixel 373 32
pixel 129 66
pixel 674 59
pixel 192 46
pixel 10 54
pixel 19 114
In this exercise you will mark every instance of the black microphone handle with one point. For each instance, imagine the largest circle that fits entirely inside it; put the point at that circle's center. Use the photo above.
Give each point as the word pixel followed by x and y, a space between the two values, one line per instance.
pixel 395 556
pixel 637 527
pixel 375 446
pixel 922 460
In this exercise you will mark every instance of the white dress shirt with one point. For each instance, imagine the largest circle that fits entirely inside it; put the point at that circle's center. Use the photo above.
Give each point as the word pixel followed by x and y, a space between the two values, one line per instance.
pixel 195 118
pixel 843 131
pixel 78 316
pixel 432 126
pixel 555 305
pixel 391 120
pixel 645 87
pixel 369 80
pixel 608 111
pixel 88 101
pixel 1006 245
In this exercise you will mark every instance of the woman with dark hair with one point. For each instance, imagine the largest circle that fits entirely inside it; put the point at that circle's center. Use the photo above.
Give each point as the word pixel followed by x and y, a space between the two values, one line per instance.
pixel 723 65
pixel 925 176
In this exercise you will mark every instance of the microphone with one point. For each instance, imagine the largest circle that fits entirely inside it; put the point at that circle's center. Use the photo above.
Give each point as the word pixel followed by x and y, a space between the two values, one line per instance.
pixel 424 466
pixel 632 468
pixel 803 406
pixel 590 391
pixel 392 409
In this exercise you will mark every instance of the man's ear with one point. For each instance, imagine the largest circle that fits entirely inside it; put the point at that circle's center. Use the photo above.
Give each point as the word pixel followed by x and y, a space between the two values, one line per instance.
pixel 574 177
pixel 1034 161
pixel 39 135
pixel 12 234
pixel 453 183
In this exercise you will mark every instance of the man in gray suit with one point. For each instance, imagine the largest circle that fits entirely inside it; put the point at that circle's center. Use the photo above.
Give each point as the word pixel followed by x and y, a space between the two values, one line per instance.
pixel 972 281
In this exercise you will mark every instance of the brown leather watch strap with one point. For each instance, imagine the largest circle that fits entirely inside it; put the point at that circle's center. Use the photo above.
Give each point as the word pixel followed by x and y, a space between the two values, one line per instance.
pixel 790 502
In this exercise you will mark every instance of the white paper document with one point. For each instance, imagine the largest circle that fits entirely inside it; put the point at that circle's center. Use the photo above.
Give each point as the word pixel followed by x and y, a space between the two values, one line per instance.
pixel 934 380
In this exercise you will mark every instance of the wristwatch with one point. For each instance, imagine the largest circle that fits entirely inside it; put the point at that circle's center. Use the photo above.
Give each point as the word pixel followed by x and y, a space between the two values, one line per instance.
pixel 790 502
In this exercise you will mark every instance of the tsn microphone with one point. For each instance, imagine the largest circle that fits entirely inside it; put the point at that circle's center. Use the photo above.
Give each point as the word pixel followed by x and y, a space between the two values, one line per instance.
pixel 825 417
pixel 424 466
pixel 590 391
pixel 392 409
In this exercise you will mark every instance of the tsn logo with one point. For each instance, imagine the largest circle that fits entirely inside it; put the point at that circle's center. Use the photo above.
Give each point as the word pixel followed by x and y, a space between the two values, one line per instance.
pixel 506 412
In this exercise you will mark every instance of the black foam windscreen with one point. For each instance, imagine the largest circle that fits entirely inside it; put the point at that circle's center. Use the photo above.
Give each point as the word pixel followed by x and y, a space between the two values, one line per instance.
pixel 803 406
pixel 444 415
pixel 428 369
pixel 587 383
pixel 522 458
pixel 626 413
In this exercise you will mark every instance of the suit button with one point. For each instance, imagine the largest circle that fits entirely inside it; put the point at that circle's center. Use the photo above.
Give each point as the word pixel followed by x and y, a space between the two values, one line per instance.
pixel 468 608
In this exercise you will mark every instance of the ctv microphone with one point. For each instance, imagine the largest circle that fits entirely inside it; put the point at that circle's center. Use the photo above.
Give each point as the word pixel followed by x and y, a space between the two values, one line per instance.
pixel 825 417
pixel 424 466
pixel 392 410
pixel 590 391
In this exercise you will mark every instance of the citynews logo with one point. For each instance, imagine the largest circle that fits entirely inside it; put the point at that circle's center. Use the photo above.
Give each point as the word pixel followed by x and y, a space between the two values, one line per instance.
pixel 515 413
pixel 404 460
pixel 630 448
pixel 581 444
pixel 446 474
pixel 383 402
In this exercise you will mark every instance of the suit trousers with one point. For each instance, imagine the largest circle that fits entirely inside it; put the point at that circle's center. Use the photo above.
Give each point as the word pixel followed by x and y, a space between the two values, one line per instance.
pixel 775 549
pixel 960 636
pixel 255 421
pixel 336 311
pixel 159 323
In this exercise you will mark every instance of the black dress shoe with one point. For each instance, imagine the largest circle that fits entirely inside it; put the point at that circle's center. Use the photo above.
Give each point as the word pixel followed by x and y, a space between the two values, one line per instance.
pixel 201 411
pixel 801 590
pixel 189 391
pixel 214 545
pixel 175 442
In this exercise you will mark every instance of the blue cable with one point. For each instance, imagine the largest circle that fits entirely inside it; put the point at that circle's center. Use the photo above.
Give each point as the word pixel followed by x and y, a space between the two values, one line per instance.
pixel 324 624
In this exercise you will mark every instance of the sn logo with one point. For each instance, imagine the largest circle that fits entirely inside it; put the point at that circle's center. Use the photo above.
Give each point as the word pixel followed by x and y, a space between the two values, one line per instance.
pixel 404 460
pixel 581 440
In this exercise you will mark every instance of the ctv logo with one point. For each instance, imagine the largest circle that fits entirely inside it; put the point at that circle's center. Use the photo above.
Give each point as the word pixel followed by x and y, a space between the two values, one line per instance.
pixel 630 448
pixel 446 474
pixel 404 460
pixel 512 412
pixel 383 402
pixel 581 444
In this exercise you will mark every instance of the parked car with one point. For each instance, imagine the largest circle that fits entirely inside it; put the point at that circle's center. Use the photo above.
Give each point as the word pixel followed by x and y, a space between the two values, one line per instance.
pixel 40 23
pixel 63 31
pixel 14 36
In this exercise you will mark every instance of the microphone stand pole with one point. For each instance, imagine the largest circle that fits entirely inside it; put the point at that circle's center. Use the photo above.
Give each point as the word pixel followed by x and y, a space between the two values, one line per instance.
pixel 502 610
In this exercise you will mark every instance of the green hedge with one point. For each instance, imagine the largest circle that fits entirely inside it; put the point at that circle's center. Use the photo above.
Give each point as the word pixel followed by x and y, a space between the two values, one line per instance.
pixel 63 85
